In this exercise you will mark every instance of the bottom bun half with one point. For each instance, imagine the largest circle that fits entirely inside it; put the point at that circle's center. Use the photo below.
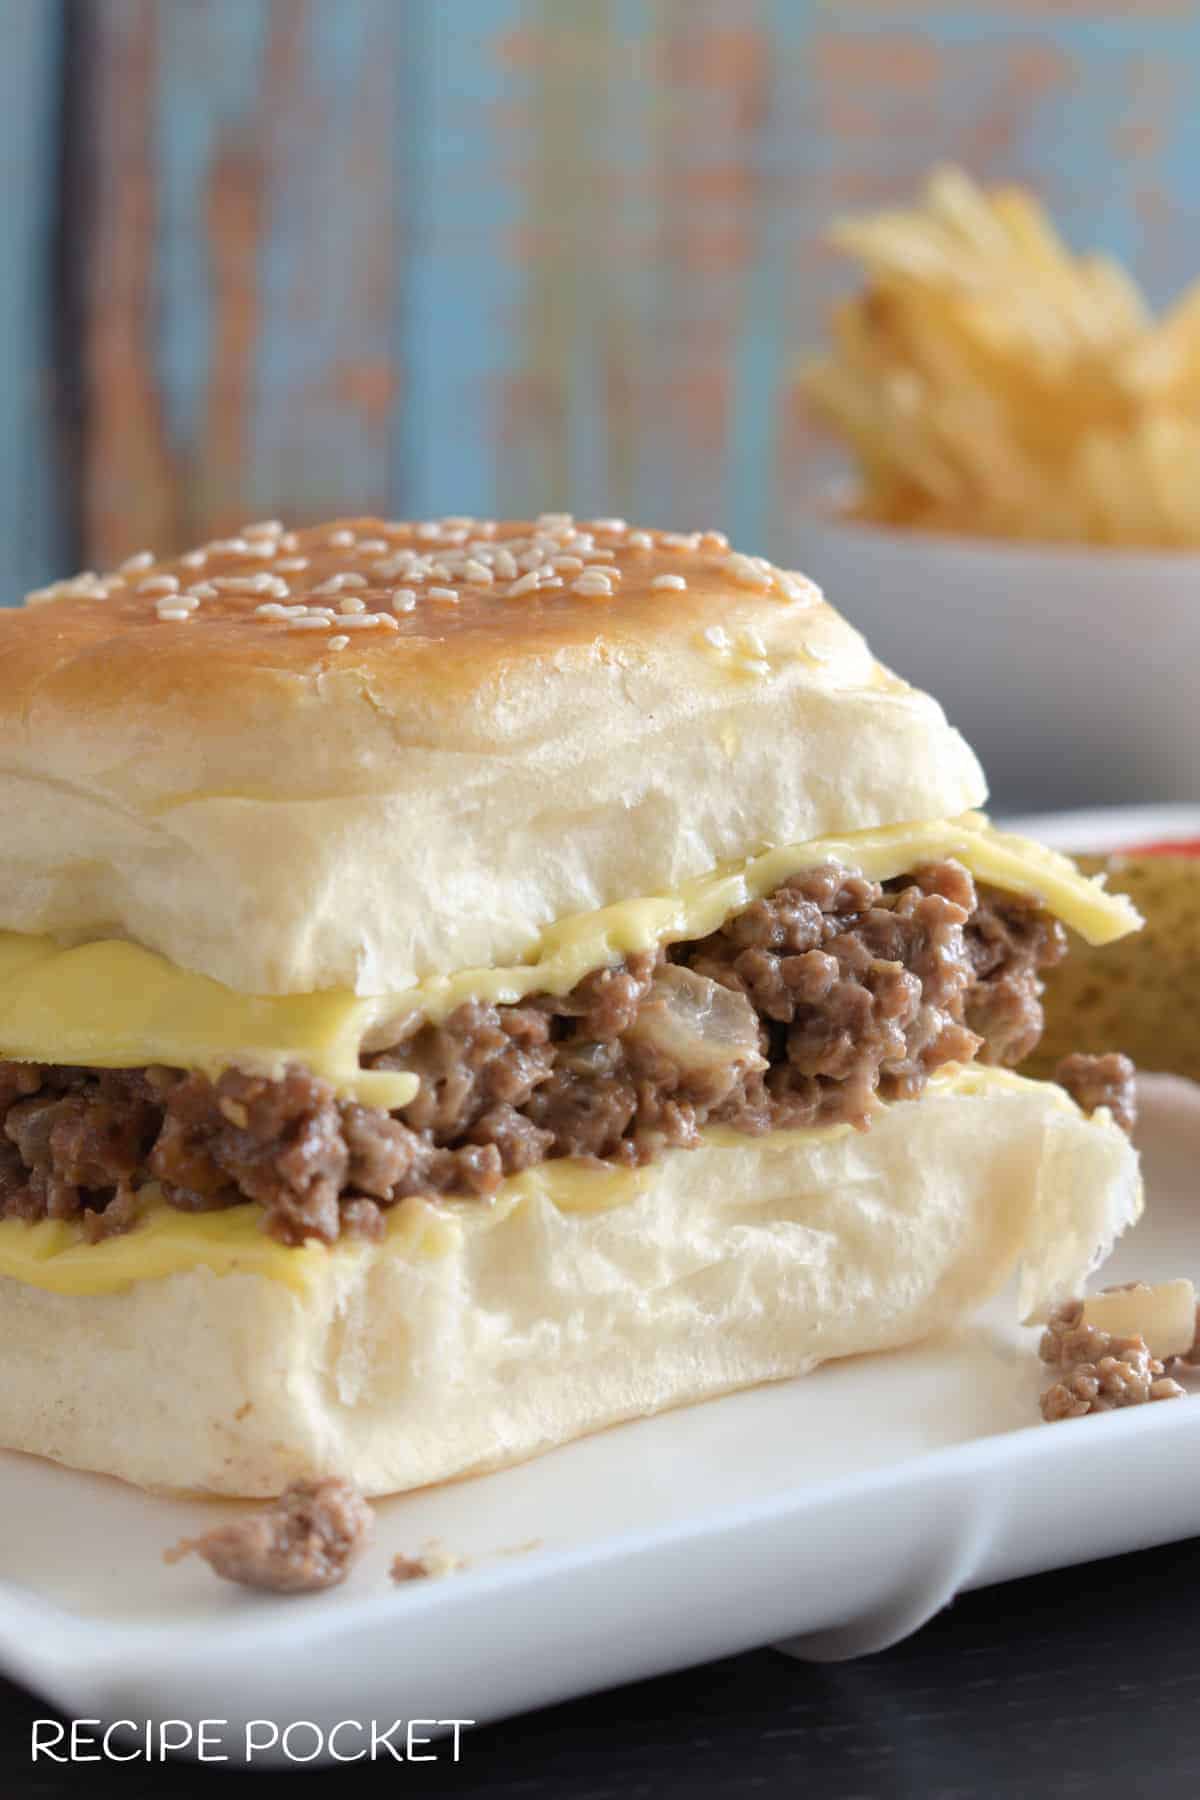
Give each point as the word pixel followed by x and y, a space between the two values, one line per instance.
pixel 476 1336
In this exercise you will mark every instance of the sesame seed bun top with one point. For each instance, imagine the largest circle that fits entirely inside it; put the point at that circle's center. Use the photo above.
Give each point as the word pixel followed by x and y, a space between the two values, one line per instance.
pixel 396 597
pixel 366 752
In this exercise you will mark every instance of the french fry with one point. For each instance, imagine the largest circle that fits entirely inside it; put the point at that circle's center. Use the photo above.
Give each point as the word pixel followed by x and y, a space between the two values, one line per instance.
pixel 988 381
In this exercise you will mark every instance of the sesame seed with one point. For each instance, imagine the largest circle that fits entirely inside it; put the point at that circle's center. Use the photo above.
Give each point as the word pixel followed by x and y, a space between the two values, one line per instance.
pixel 640 540
pixel 242 584
pixel 203 590
pixel 445 596
pixel 402 564
pixel 428 528
pixel 373 546
pixel 368 622
pixel 133 565
pixel 593 585
pixel 552 521
pixel 310 622
pixel 530 559
pixel 748 571
pixel 159 584
pixel 271 609
pixel 403 600
pixel 506 564
pixel 478 571
pixel 796 588
pixel 549 581
pixel 335 583
pixel 678 540
pixel 752 641
pixel 756 666
pixel 352 605
pixel 340 540
pixel 717 636
pixel 194 559
pixel 570 564
pixel 87 586
pixel 525 584
pixel 78 587
pixel 669 581
pixel 234 546
pixel 595 556
pixel 713 540
pixel 289 541
pixel 610 525
pixel 339 642
pixel 263 528
pixel 291 565
pixel 174 613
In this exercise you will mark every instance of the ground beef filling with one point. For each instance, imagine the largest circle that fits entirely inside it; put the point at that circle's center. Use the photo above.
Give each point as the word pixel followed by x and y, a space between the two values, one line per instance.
pixel 304 1541
pixel 1094 1081
pixel 809 1007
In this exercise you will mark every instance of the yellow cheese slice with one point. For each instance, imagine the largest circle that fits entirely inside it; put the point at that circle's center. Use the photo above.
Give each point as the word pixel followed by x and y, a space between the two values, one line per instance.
pixel 115 1005
pixel 118 1005
pixel 570 949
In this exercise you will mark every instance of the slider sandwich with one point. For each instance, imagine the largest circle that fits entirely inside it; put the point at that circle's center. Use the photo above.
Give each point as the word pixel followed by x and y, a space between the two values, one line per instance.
pixel 463 984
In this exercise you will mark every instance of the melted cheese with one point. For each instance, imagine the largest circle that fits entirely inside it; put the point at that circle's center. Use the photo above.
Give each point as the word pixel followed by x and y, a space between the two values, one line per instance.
pixel 55 1254
pixel 117 1005
pixel 575 946
pixel 114 1005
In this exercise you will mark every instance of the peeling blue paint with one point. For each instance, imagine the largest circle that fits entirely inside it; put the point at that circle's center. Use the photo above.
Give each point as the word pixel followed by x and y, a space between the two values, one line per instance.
pixel 524 252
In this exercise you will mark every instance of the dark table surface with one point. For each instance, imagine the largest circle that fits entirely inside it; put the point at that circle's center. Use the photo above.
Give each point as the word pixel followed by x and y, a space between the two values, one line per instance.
pixel 1084 1682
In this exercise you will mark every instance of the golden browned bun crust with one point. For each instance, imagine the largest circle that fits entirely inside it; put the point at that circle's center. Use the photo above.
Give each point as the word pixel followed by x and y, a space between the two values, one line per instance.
pixel 361 754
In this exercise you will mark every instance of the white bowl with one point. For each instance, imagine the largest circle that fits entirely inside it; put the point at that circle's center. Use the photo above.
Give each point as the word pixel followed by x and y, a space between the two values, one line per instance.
pixel 1100 830
pixel 1072 670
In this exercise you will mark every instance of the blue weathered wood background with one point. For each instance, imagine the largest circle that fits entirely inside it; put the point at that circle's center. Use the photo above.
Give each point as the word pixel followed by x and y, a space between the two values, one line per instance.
pixel 298 256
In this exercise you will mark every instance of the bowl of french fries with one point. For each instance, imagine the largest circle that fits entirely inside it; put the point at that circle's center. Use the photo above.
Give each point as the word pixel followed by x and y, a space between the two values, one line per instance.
pixel 1021 527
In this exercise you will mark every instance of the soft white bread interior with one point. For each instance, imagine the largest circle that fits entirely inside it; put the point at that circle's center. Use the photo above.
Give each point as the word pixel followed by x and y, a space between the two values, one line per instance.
pixel 290 804
pixel 477 1336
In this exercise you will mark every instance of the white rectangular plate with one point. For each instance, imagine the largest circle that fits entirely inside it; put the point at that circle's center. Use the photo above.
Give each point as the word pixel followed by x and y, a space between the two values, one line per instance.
pixel 836 1512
